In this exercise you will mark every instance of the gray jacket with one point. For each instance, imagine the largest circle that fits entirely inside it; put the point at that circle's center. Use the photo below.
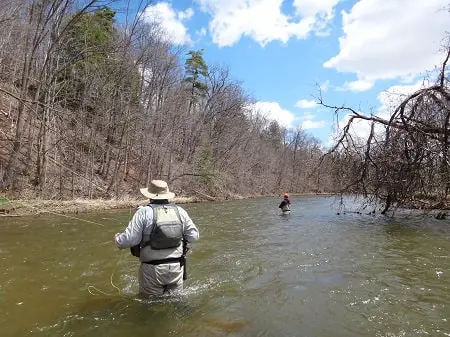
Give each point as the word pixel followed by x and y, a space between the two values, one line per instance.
pixel 143 221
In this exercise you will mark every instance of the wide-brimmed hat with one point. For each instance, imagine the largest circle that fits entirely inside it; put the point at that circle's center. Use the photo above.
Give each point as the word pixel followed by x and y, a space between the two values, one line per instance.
pixel 158 190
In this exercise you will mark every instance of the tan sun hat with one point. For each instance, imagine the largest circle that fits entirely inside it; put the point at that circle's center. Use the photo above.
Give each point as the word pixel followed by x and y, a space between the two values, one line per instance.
pixel 158 190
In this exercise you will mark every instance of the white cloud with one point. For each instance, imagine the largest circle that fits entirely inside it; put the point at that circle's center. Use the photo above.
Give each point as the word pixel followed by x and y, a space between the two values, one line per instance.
pixel 321 10
pixel 171 21
pixel 324 86
pixel 309 124
pixel 389 100
pixel 393 96
pixel 263 20
pixel 356 86
pixel 391 39
pixel 359 130
pixel 308 116
pixel 273 111
pixel 201 32
pixel 186 15
pixel 306 104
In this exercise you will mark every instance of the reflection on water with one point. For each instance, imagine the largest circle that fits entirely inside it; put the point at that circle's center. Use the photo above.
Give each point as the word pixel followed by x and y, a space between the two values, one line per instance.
pixel 253 273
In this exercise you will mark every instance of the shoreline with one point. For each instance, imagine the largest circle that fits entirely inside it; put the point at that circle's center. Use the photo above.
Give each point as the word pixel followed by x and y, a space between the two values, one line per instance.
pixel 30 207
pixel 38 207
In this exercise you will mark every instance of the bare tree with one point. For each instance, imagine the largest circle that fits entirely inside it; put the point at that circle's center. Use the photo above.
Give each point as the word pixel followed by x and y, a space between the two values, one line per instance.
pixel 407 162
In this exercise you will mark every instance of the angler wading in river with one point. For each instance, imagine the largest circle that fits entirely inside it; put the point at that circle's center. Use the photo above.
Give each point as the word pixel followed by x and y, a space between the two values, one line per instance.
pixel 285 205
pixel 158 235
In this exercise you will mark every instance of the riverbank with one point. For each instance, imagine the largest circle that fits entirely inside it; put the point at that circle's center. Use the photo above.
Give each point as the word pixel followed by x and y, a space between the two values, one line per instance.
pixel 37 207
pixel 29 207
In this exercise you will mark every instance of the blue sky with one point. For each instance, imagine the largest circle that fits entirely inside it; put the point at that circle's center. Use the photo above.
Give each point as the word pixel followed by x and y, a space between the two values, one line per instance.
pixel 364 54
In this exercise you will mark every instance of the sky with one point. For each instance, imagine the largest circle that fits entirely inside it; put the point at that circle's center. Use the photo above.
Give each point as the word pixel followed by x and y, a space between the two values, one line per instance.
pixel 364 54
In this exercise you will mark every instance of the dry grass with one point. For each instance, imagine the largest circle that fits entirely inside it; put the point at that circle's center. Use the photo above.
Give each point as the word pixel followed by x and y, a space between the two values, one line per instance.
pixel 35 207
pixel 23 207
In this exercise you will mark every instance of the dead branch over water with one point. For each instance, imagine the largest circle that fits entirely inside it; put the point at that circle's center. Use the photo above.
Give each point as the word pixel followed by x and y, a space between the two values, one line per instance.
pixel 404 161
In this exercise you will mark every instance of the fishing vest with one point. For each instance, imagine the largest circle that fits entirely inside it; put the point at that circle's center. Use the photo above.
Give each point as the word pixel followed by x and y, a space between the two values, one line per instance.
pixel 162 240
pixel 285 207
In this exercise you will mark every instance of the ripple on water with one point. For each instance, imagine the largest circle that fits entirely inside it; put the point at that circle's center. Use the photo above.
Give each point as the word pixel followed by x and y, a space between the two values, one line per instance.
pixel 253 273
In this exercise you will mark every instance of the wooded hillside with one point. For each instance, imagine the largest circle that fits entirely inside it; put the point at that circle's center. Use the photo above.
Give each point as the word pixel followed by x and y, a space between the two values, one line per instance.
pixel 93 108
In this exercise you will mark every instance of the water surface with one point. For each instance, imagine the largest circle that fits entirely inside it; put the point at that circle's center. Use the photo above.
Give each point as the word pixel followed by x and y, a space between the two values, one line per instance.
pixel 253 273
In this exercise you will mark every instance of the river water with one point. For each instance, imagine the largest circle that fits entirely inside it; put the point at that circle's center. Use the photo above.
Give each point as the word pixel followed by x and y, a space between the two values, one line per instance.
pixel 253 273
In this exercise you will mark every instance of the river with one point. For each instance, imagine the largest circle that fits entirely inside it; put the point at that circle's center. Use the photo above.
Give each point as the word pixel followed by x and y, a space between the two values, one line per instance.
pixel 252 273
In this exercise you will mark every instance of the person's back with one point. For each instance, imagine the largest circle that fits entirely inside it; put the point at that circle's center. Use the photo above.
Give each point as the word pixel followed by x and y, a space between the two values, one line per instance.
pixel 157 234
pixel 285 205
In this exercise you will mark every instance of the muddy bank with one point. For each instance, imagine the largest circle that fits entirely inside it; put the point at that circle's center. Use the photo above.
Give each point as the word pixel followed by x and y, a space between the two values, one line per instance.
pixel 37 207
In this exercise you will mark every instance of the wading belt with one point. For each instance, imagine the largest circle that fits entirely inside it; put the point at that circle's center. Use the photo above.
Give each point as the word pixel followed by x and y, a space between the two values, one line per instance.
pixel 169 260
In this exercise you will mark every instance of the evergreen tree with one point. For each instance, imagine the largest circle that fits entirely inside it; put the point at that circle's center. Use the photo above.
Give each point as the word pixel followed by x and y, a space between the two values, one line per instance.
pixel 196 71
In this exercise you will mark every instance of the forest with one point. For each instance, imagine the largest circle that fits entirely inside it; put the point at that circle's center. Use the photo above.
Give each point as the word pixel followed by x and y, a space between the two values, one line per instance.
pixel 96 107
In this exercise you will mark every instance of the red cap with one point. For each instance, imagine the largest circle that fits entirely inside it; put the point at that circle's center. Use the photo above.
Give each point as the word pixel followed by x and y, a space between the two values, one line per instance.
pixel 286 195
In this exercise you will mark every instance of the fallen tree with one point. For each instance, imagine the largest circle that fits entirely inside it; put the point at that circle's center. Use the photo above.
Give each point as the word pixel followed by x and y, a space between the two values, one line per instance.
pixel 404 160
